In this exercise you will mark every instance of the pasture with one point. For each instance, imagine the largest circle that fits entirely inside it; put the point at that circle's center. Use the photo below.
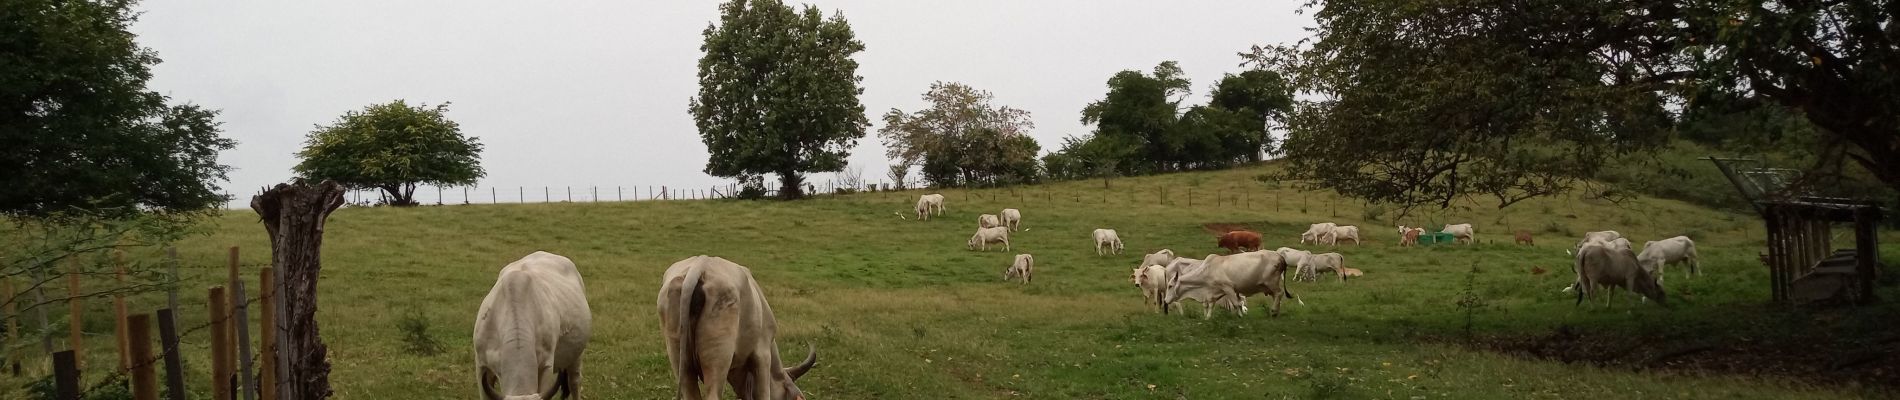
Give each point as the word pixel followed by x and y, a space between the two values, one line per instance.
pixel 899 309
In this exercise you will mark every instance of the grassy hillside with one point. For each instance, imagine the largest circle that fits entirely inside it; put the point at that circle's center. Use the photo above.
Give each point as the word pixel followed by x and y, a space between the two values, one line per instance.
pixel 898 309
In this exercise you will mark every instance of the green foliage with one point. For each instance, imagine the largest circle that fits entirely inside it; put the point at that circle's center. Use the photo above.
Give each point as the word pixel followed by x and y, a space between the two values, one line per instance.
pixel 961 139
pixel 1142 115
pixel 392 147
pixel 416 339
pixel 1426 102
pixel 80 130
pixel 778 92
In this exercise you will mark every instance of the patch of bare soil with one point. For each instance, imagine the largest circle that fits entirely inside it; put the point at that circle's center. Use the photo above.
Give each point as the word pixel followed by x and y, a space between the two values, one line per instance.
pixel 1817 359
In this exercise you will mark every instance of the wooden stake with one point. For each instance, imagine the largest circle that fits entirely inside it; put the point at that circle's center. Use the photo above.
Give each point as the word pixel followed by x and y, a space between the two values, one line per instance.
pixel 13 324
pixel 66 375
pixel 241 330
pixel 139 342
pixel 220 346
pixel 174 365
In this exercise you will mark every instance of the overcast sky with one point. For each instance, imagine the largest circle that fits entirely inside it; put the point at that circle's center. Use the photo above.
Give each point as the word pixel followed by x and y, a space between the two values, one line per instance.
pixel 595 94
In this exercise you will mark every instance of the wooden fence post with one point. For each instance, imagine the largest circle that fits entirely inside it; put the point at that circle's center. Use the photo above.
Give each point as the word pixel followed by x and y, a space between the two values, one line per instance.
pixel 241 325
pixel 39 297
pixel 492 198
pixel 139 343
pixel 118 313
pixel 174 364
pixel 220 345
pixel 618 195
pixel 66 375
pixel 75 304
pixel 267 321
pixel 294 217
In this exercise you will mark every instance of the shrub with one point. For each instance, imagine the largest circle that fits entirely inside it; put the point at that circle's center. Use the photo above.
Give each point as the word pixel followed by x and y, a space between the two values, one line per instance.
pixel 1373 213
pixel 415 334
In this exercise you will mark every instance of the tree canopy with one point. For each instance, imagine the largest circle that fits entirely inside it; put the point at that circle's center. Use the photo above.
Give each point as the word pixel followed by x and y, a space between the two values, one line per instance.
pixel 1425 102
pixel 778 93
pixel 392 147
pixel 962 139
pixel 1143 128
pixel 80 130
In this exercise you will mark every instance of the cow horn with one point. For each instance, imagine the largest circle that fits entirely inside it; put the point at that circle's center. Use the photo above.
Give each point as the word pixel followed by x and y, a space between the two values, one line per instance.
pixel 488 385
pixel 811 358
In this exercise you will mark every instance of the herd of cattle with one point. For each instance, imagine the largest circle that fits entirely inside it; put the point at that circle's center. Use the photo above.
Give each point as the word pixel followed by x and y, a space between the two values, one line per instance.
pixel 534 324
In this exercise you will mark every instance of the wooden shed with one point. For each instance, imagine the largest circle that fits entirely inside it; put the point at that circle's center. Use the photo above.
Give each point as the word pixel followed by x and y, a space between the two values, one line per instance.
pixel 1804 266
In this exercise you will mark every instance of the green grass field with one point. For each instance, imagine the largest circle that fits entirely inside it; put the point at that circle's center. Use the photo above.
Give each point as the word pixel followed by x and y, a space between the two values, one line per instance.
pixel 900 310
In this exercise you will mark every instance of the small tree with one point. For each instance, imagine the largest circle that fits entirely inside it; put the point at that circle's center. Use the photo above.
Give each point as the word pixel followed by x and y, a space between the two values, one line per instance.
pixel 778 93
pixel 899 172
pixel 392 147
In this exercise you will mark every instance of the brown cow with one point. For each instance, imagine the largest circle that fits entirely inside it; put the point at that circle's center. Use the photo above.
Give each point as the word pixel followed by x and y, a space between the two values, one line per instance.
pixel 1410 236
pixel 1235 241
pixel 719 330
pixel 1522 237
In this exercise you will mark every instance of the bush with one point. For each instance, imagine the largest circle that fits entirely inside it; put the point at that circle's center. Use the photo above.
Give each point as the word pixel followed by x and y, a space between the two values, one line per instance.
pixel 415 334
pixel 1373 213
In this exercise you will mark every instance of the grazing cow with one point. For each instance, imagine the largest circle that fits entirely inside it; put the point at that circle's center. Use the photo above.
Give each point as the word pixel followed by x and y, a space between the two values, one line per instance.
pixel 1659 253
pixel 1151 279
pixel 988 221
pixel 1597 236
pixel 985 236
pixel 1409 236
pixel 1341 231
pixel 936 202
pixel 1314 231
pixel 1522 237
pixel 531 330
pixel 1606 267
pixel 1023 267
pixel 1613 242
pixel 1461 233
pixel 1162 257
pixel 1107 242
pixel 1229 279
pixel 719 329
pixel 1293 257
pixel 923 208
pixel 1310 266
pixel 1013 218
pixel 1236 241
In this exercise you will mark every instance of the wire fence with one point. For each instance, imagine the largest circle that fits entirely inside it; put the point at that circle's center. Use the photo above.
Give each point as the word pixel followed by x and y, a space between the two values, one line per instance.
pixel 449 195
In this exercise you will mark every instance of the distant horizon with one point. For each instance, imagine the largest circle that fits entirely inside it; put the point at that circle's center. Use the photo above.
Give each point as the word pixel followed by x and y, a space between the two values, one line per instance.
pixel 595 94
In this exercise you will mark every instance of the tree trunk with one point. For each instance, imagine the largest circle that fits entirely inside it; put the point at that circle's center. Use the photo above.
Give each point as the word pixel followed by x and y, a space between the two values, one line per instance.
pixel 294 215
pixel 791 185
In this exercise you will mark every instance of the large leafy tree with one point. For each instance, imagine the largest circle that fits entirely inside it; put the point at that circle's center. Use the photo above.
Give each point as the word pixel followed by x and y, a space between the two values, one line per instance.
pixel 392 147
pixel 778 93
pixel 79 130
pixel 1145 111
pixel 961 138
pixel 1426 102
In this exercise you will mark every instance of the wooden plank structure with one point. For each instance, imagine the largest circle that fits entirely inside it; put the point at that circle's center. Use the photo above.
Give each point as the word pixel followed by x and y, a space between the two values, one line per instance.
pixel 1803 265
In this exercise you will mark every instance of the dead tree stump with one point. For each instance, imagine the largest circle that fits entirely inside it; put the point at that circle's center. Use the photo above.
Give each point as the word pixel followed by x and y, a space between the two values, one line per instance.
pixel 294 215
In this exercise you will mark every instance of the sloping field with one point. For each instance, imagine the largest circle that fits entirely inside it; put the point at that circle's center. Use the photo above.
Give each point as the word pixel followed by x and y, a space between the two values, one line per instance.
pixel 900 310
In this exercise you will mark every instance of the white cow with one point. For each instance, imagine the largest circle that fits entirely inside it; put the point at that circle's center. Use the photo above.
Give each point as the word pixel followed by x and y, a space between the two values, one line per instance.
pixel 1598 236
pixel 1293 257
pixel 531 330
pixel 1310 266
pixel 1013 218
pixel 1022 268
pixel 936 202
pixel 1660 253
pixel 1163 257
pixel 1151 279
pixel 1341 231
pixel 1461 233
pixel 985 236
pixel 1107 242
pixel 1229 279
pixel 1599 266
pixel 923 208
pixel 1314 231
pixel 720 330
pixel 988 221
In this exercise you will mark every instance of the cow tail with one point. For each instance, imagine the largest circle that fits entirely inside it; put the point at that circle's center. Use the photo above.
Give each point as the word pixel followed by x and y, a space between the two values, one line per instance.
pixel 1284 287
pixel 692 300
